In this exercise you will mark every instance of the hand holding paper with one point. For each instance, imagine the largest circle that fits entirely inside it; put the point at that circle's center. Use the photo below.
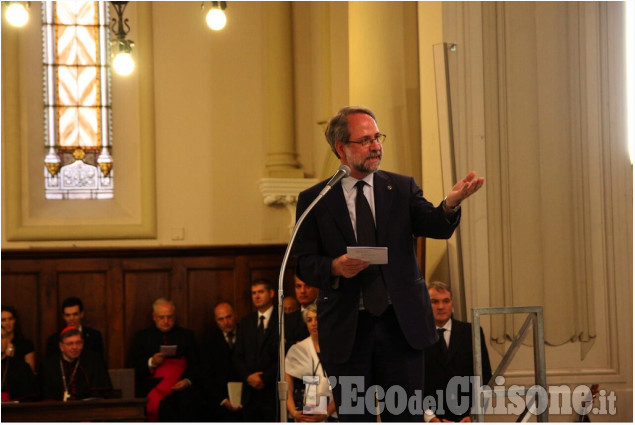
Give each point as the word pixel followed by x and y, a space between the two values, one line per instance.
pixel 370 254
pixel 168 350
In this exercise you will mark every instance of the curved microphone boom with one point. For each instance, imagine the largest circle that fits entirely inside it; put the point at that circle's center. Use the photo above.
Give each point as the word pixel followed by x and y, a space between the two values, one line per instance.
pixel 342 172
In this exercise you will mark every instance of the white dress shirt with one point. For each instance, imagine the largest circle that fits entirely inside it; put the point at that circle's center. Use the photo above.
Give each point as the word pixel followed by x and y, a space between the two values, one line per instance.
pixel 267 315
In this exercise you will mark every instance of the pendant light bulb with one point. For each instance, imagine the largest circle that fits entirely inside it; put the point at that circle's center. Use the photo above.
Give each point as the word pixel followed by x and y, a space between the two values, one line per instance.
pixel 17 15
pixel 216 19
pixel 123 63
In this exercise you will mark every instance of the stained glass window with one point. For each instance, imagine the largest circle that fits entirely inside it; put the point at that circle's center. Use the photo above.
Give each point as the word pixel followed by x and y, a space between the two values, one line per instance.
pixel 78 161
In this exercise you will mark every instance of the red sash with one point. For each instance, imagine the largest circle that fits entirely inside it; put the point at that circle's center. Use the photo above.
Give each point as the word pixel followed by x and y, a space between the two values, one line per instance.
pixel 5 396
pixel 171 371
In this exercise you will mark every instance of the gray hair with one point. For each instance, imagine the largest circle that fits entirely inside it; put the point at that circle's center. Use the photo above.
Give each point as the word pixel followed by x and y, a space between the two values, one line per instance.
pixel 162 301
pixel 309 308
pixel 439 286
pixel 337 127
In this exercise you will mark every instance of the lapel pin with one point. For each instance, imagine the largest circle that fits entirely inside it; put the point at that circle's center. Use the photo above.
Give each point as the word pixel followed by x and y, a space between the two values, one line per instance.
pixel 389 187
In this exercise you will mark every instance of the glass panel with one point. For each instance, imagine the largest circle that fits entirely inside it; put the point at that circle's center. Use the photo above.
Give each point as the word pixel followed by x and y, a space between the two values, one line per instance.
pixel 76 99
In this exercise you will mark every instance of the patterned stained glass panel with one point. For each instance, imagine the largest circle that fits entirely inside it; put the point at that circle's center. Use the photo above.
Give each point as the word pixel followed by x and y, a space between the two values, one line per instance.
pixel 77 100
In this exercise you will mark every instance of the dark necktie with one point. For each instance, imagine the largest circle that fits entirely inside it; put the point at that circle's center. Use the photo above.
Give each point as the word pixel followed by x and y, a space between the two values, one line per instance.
pixel 444 346
pixel 230 339
pixel 261 330
pixel 373 287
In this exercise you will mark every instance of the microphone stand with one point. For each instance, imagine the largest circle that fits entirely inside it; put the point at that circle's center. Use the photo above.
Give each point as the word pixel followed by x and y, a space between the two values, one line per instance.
pixel 282 384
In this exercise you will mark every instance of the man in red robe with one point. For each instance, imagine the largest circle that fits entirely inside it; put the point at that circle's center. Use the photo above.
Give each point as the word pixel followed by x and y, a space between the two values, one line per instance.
pixel 165 359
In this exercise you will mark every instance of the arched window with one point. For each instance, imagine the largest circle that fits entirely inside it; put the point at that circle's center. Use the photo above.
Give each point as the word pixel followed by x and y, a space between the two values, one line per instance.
pixel 77 107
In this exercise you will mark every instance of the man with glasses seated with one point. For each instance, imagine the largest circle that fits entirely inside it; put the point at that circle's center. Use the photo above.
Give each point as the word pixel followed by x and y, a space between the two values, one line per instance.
pixel 165 359
pixel 74 373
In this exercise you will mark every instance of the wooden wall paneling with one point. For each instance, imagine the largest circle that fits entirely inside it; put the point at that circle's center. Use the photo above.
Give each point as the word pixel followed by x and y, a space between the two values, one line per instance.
pixel 87 280
pixel 144 281
pixel 20 291
pixel 262 267
pixel 242 296
pixel 48 306
pixel 115 329
pixel 209 282
pixel 268 267
pixel 118 287
pixel 178 291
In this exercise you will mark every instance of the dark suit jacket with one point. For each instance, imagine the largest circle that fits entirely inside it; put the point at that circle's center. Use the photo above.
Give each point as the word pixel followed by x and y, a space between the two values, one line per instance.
pixel 250 358
pixel 218 366
pixel 92 342
pixel 440 368
pixel 148 342
pixel 401 214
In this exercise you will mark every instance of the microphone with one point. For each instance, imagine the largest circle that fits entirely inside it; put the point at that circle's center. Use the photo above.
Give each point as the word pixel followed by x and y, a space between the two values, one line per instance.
pixel 343 171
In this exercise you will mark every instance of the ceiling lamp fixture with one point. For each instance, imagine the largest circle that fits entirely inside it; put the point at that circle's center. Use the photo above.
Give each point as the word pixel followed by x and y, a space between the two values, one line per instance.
pixel 216 18
pixel 17 13
pixel 123 63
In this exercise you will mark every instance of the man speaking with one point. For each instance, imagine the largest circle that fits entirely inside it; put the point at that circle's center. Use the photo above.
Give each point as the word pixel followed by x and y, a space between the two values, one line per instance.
pixel 374 319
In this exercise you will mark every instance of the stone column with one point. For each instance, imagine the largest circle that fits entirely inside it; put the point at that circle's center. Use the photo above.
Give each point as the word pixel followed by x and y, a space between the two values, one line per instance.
pixel 281 157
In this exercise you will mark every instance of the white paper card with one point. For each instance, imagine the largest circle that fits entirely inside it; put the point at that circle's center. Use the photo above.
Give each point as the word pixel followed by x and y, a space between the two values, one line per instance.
pixel 168 350
pixel 372 254
pixel 235 390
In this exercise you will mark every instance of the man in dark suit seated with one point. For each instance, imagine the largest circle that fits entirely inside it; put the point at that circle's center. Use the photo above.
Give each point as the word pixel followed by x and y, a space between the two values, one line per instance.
pixel 18 381
pixel 165 359
pixel 218 366
pixel 294 327
pixel 74 373
pixel 451 357
pixel 73 314
pixel 256 355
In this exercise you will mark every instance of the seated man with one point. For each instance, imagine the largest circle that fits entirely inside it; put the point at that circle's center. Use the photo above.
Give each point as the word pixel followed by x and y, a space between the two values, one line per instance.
pixel 451 357
pixel 218 367
pixel 73 314
pixel 165 360
pixel 18 380
pixel 74 373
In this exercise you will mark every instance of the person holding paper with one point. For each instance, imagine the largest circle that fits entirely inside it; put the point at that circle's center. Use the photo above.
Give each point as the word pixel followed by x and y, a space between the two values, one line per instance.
pixel 218 367
pixel 167 381
pixel 375 320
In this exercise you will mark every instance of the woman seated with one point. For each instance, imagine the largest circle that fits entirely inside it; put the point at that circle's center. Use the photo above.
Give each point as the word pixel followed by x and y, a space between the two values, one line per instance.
pixel 19 346
pixel 314 401
pixel 18 381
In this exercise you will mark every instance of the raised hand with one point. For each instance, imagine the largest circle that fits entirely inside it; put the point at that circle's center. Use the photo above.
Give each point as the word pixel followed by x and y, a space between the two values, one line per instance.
pixel 463 189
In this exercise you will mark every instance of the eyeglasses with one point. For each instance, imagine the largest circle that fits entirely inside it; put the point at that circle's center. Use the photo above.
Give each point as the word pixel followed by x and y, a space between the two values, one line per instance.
pixel 379 138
